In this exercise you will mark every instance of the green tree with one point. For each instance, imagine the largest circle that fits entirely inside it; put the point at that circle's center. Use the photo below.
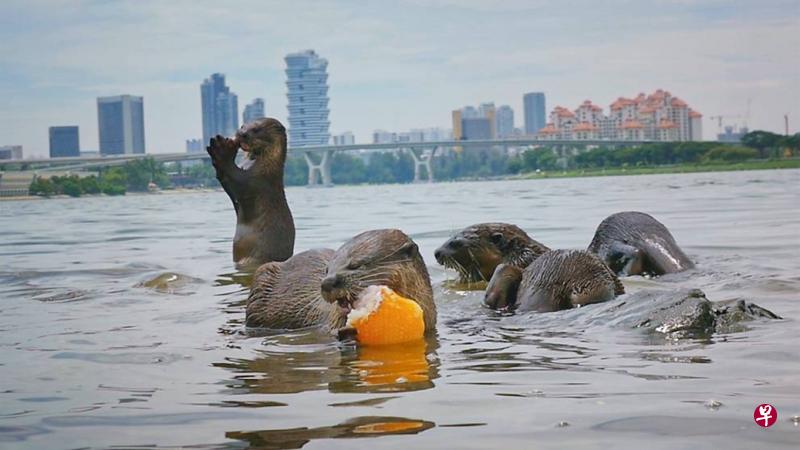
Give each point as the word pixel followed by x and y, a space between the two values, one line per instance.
pixel 729 153
pixel 763 141
pixel 71 186
pixel 295 173
pixel 141 172
pixel 792 143
pixel 348 169
pixel 113 181
pixel 90 185
pixel 41 187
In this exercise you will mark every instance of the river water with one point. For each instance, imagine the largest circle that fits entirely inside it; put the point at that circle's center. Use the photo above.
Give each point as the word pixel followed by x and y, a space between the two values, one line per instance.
pixel 91 357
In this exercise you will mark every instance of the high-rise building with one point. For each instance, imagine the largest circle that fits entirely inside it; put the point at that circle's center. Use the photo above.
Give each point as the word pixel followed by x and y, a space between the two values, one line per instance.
pixel 120 123
pixel 64 141
pixel 484 115
pixel 220 108
pixel 10 152
pixel 478 128
pixel 253 111
pixel 346 138
pixel 504 122
pixel 488 111
pixel 307 83
pixel 535 115
pixel 383 137
pixel 194 146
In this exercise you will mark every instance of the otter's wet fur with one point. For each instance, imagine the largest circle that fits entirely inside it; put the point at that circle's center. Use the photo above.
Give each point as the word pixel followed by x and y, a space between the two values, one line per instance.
pixel 635 243
pixel 264 225
pixel 477 250
pixel 286 295
pixel 318 287
pixel 556 280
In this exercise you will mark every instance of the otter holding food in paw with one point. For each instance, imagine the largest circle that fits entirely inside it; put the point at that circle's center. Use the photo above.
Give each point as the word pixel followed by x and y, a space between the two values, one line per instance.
pixel 264 225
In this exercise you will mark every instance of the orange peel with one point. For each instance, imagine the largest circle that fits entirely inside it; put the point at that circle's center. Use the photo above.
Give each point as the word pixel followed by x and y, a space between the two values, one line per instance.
pixel 381 317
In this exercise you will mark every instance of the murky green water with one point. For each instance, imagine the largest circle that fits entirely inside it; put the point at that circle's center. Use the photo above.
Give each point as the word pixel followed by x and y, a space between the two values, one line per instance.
pixel 89 357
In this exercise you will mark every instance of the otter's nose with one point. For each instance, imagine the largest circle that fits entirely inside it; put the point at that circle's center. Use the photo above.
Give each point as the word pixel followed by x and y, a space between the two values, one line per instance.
pixel 331 282
pixel 448 249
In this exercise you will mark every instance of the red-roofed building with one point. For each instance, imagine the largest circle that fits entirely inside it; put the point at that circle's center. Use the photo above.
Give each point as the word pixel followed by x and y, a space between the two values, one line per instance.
pixel 658 116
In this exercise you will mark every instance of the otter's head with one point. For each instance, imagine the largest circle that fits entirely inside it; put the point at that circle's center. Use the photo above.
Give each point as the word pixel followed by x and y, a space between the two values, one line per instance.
pixel 265 141
pixel 379 257
pixel 477 250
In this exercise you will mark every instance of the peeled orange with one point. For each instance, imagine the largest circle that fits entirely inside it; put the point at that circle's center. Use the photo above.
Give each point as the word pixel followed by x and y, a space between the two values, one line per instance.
pixel 382 316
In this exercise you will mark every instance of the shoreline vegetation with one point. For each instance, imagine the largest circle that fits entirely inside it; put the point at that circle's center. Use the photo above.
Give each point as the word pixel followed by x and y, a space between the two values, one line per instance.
pixel 574 173
pixel 759 150
pixel 668 169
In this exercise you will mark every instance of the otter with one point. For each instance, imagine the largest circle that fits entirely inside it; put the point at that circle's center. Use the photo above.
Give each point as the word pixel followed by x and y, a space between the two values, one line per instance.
pixel 556 280
pixel 264 225
pixel 635 243
pixel 319 287
pixel 477 250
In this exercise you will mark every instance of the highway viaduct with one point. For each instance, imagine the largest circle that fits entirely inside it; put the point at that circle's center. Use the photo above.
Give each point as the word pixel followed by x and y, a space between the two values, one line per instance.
pixel 319 158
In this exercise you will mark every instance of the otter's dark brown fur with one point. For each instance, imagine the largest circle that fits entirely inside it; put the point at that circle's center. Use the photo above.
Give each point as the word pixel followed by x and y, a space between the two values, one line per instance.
pixel 556 280
pixel 286 295
pixel 318 287
pixel 264 225
pixel 635 243
pixel 477 250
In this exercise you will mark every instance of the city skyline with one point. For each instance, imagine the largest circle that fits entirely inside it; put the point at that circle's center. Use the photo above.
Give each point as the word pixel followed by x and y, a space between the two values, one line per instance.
pixel 394 67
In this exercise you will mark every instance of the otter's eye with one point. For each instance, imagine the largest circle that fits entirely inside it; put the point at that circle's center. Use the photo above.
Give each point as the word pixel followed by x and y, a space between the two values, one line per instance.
pixel 497 238
pixel 355 265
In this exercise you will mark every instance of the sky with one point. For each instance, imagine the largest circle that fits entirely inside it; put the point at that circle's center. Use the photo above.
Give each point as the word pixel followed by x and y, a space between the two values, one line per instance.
pixel 393 65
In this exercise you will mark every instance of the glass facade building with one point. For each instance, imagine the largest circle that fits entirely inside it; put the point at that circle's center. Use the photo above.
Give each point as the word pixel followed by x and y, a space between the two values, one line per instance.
pixel 120 123
pixel 253 111
pixel 504 122
pixel 220 108
pixel 64 141
pixel 307 83
pixel 535 116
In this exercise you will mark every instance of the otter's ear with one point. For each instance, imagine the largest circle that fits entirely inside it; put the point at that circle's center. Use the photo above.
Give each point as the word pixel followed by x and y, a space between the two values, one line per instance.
pixel 409 249
pixel 498 238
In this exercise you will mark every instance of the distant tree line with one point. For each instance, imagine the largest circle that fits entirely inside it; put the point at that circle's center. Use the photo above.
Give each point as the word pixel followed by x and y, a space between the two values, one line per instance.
pixel 133 176
pixel 398 167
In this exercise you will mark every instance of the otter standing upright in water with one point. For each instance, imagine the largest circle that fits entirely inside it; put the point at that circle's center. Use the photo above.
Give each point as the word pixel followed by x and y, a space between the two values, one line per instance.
pixel 264 225
pixel 634 243
pixel 319 287
pixel 477 250
pixel 558 279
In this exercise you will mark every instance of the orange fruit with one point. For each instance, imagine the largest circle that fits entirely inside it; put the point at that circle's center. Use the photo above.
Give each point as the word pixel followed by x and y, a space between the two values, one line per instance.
pixel 382 316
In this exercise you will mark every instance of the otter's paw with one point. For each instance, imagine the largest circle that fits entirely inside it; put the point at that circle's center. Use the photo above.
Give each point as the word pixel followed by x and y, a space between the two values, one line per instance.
pixel 222 150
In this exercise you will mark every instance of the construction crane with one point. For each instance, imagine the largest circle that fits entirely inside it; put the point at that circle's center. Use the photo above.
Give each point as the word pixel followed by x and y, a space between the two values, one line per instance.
pixel 746 117
pixel 719 120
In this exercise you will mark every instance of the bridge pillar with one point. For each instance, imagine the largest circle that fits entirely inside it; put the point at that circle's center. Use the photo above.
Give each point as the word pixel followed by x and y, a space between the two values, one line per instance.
pixel 323 168
pixel 422 161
